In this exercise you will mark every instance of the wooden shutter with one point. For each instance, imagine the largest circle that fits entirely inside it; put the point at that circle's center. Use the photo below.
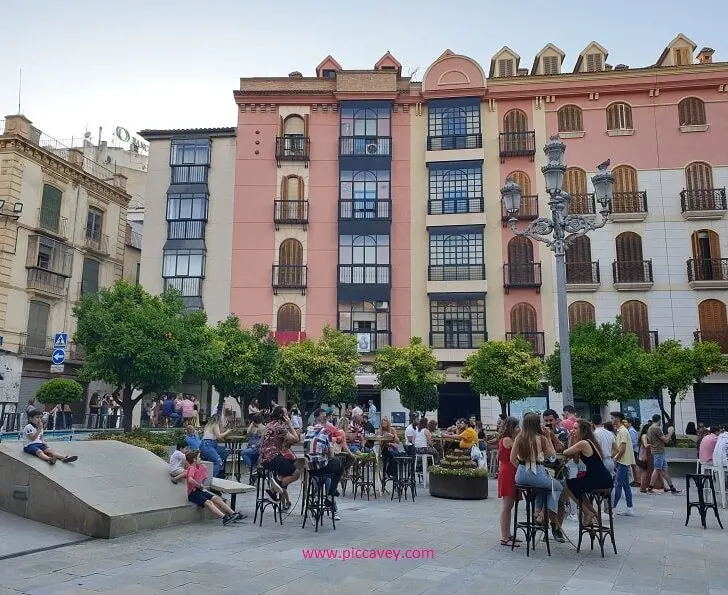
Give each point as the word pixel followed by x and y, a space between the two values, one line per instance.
pixel 629 247
pixel 290 252
pixel 90 276
pixel 680 57
pixel 578 261
pixel 579 313
pixel 699 176
pixel 284 188
pixel 626 197
pixel 288 318
pixel 714 240
pixel 505 67
pixel 521 178
pixel 550 64
pixel 523 318
pixel 570 119
pixel 691 112
pixel 520 261
pixel 281 126
pixel 593 62
pixel 619 117
pixel 50 208
pixel 712 315
pixel 635 320
pixel 38 314
pixel 305 125
pixel 575 184
pixel 515 121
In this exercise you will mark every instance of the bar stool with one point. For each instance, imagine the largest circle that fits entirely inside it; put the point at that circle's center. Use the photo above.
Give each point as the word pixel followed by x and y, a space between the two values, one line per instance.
pixel 601 501
pixel 364 477
pixel 702 483
pixel 315 503
pixel 718 473
pixel 404 478
pixel 262 499
pixel 530 527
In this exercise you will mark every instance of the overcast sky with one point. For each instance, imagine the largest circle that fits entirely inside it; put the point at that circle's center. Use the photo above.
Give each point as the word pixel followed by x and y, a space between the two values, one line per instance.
pixel 174 64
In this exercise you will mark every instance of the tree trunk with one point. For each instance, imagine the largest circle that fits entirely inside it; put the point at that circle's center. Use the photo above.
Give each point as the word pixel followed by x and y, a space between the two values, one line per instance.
pixel 127 406
pixel 504 408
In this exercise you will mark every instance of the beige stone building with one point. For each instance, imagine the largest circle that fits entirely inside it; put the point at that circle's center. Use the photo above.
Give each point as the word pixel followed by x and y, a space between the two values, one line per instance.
pixel 63 233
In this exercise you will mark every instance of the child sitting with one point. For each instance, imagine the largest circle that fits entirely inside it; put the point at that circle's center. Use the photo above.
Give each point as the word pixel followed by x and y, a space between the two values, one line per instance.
pixel 34 444
pixel 197 494
pixel 178 463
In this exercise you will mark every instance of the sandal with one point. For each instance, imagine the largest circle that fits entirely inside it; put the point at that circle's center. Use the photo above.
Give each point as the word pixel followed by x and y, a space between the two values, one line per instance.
pixel 510 542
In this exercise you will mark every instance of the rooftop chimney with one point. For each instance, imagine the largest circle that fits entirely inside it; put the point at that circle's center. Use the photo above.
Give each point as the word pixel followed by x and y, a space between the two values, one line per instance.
pixel 522 72
pixel 621 67
pixel 607 67
pixel 705 56
pixel 295 75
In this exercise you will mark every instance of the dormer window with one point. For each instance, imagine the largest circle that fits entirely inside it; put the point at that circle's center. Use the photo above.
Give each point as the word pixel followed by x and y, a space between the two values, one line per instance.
pixel 394 68
pixel 681 57
pixel 594 62
pixel 328 74
pixel 550 64
pixel 505 67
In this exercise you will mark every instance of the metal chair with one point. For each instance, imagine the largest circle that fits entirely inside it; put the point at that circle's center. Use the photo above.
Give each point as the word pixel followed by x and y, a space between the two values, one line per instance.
pixel 262 499
pixel 530 527
pixel 601 502
pixel 315 502
pixel 702 483
pixel 405 478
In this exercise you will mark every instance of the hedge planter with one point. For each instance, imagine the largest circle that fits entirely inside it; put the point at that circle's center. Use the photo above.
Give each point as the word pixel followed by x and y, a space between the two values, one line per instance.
pixel 459 487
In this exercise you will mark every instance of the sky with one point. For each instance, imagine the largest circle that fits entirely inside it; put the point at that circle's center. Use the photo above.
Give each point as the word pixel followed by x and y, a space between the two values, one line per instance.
pixel 174 64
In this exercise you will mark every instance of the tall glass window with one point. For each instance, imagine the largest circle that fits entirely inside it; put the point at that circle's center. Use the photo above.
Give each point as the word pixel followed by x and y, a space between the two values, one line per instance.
pixel 364 259
pixel 189 160
pixel 456 188
pixel 364 194
pixel 457 324
pixel 454 124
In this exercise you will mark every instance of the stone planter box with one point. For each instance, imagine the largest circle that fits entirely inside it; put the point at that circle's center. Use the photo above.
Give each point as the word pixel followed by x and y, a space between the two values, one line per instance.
pixel 456 487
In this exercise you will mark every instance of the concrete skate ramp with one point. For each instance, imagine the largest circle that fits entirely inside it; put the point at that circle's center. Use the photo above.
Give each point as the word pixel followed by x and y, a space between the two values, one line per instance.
pixel 113 489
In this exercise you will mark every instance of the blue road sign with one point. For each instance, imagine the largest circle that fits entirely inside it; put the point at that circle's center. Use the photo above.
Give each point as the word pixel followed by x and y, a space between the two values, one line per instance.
pixel 59 356
pixel 60 340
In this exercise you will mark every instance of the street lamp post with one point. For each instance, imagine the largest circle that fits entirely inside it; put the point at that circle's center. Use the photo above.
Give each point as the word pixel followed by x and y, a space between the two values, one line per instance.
pixel 560 231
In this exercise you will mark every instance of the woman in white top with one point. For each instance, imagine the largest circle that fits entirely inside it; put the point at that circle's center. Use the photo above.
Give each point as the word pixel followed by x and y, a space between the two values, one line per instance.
pixel 210 450
pixel 423 441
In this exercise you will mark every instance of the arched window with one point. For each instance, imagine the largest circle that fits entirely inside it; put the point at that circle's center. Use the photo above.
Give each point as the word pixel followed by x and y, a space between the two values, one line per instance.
pixel 575 184
pixel 619 117
pixel 630 264
pixel 529 201
pixel 713 323
pixel 291 204
pixel 515 127
pixel 570 119
pixel 700 193
pixel 636 320
pixel 364 259
pixel 581 312
pixel 699 177
pixel 626 191
pixel 515 120
pixel 288 318
pixel 579 268
pixel 523 318
pixel 290 263
pixel 523 180
pixel 691 112
pixel 293 131
pixel 294 125
pixel 707 264
pixel 521 269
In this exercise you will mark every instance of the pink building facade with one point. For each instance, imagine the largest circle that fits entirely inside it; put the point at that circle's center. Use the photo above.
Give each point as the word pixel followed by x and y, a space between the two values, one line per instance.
pixel 370 202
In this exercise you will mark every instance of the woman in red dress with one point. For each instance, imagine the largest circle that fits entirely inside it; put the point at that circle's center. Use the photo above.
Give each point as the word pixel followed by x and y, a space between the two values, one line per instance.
pixel 507 479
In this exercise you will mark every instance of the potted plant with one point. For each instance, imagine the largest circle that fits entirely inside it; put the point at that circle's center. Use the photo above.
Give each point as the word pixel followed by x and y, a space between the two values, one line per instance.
pixel 458 478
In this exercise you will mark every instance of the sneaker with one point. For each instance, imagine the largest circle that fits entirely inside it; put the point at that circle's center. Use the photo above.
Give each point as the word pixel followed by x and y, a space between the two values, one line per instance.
pixel 276 486
pixel 238 517
pixel 174 480
pixel 629 511
pixel 558 534
pixel 336 516
pixel 272 495
pixel 70 459
pixel 227 519
pixel 51 461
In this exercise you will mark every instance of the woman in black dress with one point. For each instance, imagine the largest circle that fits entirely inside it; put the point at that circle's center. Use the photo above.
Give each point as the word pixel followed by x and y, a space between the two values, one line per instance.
pixel 585 447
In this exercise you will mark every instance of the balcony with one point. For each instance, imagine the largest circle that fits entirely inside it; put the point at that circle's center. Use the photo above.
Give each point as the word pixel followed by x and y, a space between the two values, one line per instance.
pixel 189 174
pixel 454 141
pixel 365 210
pixel 536 339
pixel 290 212
pixel 457 339
pixel 369 341
pixel 632 275
pixel 629 206
pixel 527 212
pixel 42 346
pixel 289 276
pixel 720 337
pixel 364 274
pixel 517 144
pixel 284 338
pixel 189 287
pixel 648 340
pixel 456 272
pixel 582 276
pixel 47 282
pixel 370 146
pixel 181 229
pixel 582 204
pixel 51 222
pixel 452 206
pixel 708 273
pixel 293 148
pixel 708 203
pixel 98 244
pixel 525 275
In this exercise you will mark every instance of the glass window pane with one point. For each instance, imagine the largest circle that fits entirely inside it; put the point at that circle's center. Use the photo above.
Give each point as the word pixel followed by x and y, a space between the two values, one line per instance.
pixel 195 269
pixel 168 269
pixel 346 188
pixel 382 254
pixel 185 209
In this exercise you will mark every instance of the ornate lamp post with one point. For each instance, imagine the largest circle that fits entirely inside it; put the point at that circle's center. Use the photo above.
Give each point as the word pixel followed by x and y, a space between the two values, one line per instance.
pixel 560 231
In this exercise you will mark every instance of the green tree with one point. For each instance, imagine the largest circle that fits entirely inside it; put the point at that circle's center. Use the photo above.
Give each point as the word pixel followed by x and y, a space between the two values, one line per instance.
pixel 606 364
pixel 60 391
pixel 676 369
pixel 507 370
pixel 412 371
pixel 237 361
pixel 137 342
pixel 313 372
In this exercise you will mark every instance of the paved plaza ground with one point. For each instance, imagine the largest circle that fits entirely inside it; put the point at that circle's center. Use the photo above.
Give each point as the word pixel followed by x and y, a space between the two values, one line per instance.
pixel 657 554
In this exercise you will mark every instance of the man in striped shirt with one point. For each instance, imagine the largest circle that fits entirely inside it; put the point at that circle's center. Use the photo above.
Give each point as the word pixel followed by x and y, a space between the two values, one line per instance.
pixel 320 456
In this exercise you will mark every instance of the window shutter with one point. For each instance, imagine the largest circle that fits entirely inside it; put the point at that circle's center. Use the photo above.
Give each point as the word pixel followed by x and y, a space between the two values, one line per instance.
pixel 579 251
pixel 305 125
pixel 90 276
pixel 290 252
pixel 505 67
pixel 515 121
pixel 691 112
pixel 50 207
pixel 712 315
pixel 550 64
pixel 284 188
pixel 579 313
pixel 699 176
pixel 289 318
pixel 570 119
pixel 625 179
pixel 635 318
pixel 695 243
pixel 593 62
pixel 714 246
pixel 523 318
pixel 300 188
pixel 629 247
pixel 281 127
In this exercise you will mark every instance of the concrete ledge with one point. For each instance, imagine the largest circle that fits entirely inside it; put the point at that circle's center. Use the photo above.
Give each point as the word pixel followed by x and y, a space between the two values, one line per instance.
pixel 113 489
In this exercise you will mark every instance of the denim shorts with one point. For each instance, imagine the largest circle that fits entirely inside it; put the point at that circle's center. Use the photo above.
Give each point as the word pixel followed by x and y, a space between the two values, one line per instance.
pixel 31 449
pixel 660 464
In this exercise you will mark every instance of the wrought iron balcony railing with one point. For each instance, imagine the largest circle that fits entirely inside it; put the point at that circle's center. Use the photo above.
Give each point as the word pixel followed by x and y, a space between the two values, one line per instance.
pixel 648 340
pixel 527 212
pixel 49 220
pixel 706 199
pixel 582 204
pixel 582 273
pixel 365 146
pixel 638 271
pixel 537 339
pixel 517 144
pixel 98 244
pixel 189 287
pixel 457 339
pixel 293 148
pixel 290 212
pixel 41 345
pixel 184 229
pixel 47 282
pixel 456 272
pixel 629 202
pixel 451 206
pixel 707 269
pixel 289 276
pixel 364 274
pixel 454 141
pixel 522 275
pixel 720 337
pixel 369 341
pixel 365 210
